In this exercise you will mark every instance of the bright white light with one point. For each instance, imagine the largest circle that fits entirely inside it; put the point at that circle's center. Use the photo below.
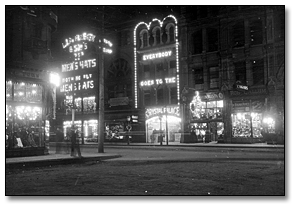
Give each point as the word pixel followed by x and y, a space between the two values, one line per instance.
pixel 55 79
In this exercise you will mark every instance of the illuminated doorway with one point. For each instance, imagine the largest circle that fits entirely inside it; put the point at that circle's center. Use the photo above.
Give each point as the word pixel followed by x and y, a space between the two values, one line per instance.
pixel 169 128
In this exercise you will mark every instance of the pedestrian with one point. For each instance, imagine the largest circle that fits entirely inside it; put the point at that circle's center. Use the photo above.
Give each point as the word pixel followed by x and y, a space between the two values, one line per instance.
pixel 59 140
pixel 75 143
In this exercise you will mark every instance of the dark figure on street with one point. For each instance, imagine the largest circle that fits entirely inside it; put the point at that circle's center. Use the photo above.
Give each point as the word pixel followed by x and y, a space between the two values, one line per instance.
pixel 75 143
pixel 59 140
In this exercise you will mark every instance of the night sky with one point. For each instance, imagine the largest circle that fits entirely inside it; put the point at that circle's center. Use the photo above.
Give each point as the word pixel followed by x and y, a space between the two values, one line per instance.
pixel 76 19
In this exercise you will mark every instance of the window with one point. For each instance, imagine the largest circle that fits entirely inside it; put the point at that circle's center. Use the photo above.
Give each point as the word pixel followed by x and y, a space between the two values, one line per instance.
pixel 8 91
pixel 256 35
pixel 171 34
pixel 197 42
pixel 160 96
pixel 212 39
pixel 173 95
pixel 146 71
pixel 145 39
pixel 258 72
pixel 159 69
pixel 78 104
pixel 89 104
pixel 157 36
pixel 214 77
pixel 147 97
pixel 173 64
pixel 238 34
pixel 198 76
pixel 240 71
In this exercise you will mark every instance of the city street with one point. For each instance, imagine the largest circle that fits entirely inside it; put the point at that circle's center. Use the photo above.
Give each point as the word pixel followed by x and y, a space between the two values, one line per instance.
pixel 158 170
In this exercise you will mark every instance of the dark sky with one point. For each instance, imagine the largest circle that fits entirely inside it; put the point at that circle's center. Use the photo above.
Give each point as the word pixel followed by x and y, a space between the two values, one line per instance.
pixel 76 19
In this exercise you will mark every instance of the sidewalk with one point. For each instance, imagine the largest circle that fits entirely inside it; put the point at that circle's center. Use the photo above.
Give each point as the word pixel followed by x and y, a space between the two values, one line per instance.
pixel 53 158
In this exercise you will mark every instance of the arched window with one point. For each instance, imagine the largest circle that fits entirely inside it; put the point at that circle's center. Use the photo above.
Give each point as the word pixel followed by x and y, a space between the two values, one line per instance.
pixel 157 37
pixel 171 34
pixel 170 29
pixel 145 39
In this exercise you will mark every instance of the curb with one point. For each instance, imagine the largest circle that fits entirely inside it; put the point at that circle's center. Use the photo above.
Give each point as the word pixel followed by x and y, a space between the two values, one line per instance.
pixel 59 161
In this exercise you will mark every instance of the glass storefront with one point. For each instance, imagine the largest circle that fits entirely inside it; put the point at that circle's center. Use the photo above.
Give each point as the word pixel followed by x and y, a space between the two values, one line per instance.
pixel 156 127
pixel 90 131
pixel 87 128
pixel 24 126
pixel 114 131
pixel 246 124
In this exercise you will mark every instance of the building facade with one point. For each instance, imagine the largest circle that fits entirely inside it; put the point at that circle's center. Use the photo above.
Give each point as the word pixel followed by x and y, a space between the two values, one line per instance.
pixel 30 98
pixel 233 56
pixel 156 78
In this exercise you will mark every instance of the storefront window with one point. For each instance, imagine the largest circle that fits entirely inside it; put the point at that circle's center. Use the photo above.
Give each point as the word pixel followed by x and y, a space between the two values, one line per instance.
pixel 241 124
pixel 114 131
pixel 90 131
pixel 78 105
pixel 257 125
pixel 25 129
pixel 89 104
pixel 19 91
pixel 33 93
pixel 68 124
pixel 156 126
pixel 8 92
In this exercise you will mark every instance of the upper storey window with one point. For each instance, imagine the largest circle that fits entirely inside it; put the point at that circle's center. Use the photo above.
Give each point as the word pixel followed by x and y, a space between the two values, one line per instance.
pixel 170 28
pixel 144 38
pixel 157 35
pixel 238 34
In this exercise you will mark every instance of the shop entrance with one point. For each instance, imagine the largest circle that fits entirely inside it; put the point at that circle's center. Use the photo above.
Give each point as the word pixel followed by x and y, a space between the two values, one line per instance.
pixel 159 126
pixel 208 131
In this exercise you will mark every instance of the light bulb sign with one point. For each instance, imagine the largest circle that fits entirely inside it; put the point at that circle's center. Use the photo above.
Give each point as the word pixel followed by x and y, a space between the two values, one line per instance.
pixel 157 55
pixel 158 81
pixel 77 83
pixel 157 111
pixel 79 46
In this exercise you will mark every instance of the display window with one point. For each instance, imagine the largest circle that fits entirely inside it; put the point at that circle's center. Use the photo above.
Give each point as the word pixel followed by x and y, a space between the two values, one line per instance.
pixel 24 126
pixel 90 131
pixel 27 92
pixel 67 125
pixel 156 127
pixel 206 110
pixel 241 125
pixel 114 131
pixel 89 104
pixel 8 90
pixel 246 125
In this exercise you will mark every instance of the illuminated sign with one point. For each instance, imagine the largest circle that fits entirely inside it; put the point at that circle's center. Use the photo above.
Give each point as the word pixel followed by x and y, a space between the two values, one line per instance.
pixel 157 55
pixel 158 81
pixel 241 87
pixel 77 46
pixel 77 83
pixel 89 63
pixel 172 110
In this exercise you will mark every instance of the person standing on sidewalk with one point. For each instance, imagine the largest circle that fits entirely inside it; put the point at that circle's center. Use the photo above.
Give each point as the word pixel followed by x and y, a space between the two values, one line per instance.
pixel 75 143
pixel 59 140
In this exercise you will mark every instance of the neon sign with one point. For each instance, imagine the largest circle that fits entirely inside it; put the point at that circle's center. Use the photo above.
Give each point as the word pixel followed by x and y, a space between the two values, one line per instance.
pixel 172 110
pixel 157 55
pixel 158 81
